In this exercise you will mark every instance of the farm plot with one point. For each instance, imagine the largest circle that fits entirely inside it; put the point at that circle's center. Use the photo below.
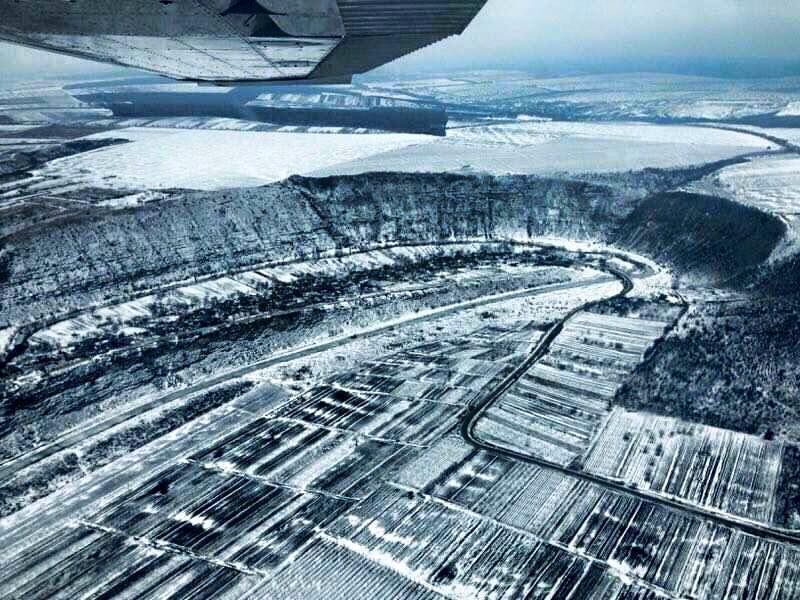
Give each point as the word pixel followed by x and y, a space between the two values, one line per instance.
pixel 375 416
pixel 186 531
pixel 339 573
pixel 297 455
pixel 747 568
pixel 555 409
pixel 453 372
pixel 461 554
pixel 362 487
pixel 83 561
pixel 518 494
pixel 671 552
pixel 229 518
pixel 716 468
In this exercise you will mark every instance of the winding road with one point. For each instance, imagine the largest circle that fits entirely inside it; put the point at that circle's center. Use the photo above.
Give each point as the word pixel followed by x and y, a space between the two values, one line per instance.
pixel 83 433
pixel 476 411
pixel 471 417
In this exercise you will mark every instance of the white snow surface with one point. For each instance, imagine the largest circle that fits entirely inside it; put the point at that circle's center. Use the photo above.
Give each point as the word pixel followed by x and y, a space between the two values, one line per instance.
pixel 211 159
pixel 208 159
pixel 71 331
pixel 6 335
pixel 790 110
pixel 532 147
pixel 772 184
pixel 720 109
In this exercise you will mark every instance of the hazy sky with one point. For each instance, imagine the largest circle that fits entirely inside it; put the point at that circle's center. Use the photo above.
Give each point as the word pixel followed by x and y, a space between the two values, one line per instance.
pixel 552 32
pixel 579 28
pixel 521 32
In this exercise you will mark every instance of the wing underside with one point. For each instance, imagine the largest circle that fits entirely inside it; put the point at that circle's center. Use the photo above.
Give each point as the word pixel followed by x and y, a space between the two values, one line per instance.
pixel 237 40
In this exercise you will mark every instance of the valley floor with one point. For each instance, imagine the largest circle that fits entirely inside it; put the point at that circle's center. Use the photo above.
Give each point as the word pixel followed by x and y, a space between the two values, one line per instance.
pixel 362 482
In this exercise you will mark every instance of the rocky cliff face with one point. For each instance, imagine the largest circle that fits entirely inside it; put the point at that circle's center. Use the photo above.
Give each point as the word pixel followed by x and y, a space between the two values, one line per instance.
pixel 106 253
pixel 103 253
pixel 411 207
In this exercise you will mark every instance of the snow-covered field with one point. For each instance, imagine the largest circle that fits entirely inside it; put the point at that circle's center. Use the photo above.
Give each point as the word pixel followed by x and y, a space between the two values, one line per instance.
pixel 616 96
pixel 530 147
pixel 541 308
pixel 161 158
pixel 628 132
pixel 672 457
pixel 718 110
pixel 790 110
pixel 790 134
pixel 210 159
pixel 219 124
pixel 770 183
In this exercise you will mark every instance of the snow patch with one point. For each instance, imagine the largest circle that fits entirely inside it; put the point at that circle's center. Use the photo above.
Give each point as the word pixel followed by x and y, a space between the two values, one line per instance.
pixel 205 523
pixel 790 110
pixel 212 159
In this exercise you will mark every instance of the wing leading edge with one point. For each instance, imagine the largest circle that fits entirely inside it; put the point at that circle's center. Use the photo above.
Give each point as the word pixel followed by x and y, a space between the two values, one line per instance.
pixel 237 40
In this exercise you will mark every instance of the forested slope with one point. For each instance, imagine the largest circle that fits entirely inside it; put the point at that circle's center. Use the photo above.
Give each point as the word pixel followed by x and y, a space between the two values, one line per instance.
pixel 700 234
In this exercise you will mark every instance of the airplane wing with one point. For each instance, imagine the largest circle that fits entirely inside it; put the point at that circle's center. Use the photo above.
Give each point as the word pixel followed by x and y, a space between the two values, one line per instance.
pixel 237 40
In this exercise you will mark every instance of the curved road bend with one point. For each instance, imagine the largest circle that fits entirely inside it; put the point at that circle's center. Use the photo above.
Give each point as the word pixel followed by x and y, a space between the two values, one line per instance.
pixel 73 437
pixel 475 412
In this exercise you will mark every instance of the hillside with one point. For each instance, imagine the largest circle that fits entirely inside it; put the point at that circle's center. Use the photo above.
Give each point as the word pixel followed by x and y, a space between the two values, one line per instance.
pixel 698 233
pixel 187 291
pixel 109 253
pixel 783 279
pixel 733 364
pixel 102 253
